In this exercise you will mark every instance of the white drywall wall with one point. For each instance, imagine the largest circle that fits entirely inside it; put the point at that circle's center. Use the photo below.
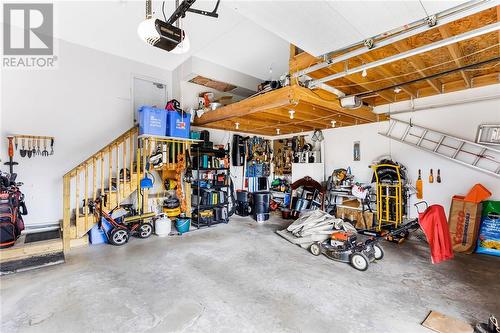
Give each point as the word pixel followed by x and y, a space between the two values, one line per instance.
pixel 85 103
pixel 459 120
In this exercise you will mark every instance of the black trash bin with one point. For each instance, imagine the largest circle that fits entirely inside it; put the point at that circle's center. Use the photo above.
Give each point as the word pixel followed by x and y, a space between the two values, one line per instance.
pixel 260 209
pixel 242 203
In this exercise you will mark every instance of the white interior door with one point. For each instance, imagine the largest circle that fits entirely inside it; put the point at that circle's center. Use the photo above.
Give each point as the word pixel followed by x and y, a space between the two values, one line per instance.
pixel 148 92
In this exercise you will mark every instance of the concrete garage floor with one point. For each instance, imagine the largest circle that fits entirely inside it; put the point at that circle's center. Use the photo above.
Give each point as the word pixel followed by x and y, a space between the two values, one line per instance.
pixel 244 277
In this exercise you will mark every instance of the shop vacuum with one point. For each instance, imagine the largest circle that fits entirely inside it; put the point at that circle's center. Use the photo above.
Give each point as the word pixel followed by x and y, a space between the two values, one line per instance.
pixel 243 207
pixel 260 211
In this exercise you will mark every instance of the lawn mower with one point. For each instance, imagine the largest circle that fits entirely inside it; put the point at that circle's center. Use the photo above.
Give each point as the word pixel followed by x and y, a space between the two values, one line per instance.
pixel 343 246
pixel 123 224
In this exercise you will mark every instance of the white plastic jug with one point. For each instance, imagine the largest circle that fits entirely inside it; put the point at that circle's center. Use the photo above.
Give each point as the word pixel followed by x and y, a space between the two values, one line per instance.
pixel 163 226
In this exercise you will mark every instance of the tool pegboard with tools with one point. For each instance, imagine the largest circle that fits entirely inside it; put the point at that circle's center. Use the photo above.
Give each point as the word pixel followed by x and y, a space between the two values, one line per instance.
pixel 34 145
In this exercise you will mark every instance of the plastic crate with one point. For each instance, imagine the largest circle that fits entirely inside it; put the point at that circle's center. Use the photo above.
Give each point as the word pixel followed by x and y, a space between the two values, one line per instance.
pixel 152 121
pixel 178 124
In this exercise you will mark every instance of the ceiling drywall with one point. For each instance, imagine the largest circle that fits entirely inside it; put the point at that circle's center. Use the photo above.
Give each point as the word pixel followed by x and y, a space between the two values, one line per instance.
pixel 322 26
pixel 230 40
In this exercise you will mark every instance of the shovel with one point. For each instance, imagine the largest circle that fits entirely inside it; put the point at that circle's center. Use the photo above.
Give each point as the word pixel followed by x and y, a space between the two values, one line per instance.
pixel 22 151
pixel 29 152
pixel 33 147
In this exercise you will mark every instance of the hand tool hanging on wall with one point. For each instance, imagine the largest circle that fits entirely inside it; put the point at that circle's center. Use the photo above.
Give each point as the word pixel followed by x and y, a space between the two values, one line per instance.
pixel 22 151
pixel 52 146
pixel 45 152
pixel 438 178
pixel 15 142
pixel 33 147
pixel 419 185
pixel 38 151
pixel 29 148
pixel 11 162
pixel 431 177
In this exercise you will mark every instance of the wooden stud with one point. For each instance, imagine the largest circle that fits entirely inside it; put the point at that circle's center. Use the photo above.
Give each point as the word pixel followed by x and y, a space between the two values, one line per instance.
pixel 117 173
pixel 86 194
pixel 124 164
pixel 94 178
pixel 66 213
pixel 102 173
pixel 77 202
pixel 110 176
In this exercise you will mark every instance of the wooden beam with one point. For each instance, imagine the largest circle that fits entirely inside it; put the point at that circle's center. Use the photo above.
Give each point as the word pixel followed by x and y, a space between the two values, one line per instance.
pixel 417 63
pixel 307 96
pixel 270 100
pixel 389 73
pixel 455 53
pixel 259 120
pixel 304 57
pixel 282 116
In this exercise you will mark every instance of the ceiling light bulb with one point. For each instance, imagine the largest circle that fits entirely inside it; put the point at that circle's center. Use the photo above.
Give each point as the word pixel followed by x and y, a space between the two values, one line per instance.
pixel 237 125
pixel 291 113
pixel 183 47
pixel 277 131
pixel 397 90
pixel 364 73
pixel 333 123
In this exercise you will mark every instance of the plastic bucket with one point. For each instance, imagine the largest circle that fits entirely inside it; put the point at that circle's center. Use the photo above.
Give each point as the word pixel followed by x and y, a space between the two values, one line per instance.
pixel 182 225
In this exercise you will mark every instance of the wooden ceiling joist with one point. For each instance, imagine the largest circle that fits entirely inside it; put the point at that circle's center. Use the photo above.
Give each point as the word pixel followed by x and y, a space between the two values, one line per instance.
pixel 417 74
pixel 456 54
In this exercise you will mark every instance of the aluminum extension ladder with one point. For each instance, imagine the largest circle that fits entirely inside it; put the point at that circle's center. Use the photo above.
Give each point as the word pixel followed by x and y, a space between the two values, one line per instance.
pixel 468 153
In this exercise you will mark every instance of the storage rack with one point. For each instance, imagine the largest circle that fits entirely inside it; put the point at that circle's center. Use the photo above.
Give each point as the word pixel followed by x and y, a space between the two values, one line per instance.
pixel 197 152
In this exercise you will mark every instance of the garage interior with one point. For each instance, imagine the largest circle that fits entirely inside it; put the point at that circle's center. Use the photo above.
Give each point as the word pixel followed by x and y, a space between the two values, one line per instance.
pixel 270 166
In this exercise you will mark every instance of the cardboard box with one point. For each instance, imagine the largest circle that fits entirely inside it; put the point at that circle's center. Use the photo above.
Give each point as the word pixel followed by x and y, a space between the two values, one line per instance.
pixel 356 214
pixel 464 221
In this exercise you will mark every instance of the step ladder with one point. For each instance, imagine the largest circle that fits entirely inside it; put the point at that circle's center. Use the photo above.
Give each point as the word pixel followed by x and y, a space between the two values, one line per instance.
pixel 468 153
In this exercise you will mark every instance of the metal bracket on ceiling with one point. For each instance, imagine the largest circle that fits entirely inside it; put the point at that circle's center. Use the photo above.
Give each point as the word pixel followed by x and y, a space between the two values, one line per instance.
pixel 432 20
pixel 369 43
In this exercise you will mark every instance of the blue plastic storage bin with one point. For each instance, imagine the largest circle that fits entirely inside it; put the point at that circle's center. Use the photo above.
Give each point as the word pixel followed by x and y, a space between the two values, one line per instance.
pixel 152 121
pixel 98 235
pixel 178 125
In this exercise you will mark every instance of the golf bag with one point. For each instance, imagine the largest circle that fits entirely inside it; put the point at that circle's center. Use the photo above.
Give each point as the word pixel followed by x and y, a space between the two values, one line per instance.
pixel 12 208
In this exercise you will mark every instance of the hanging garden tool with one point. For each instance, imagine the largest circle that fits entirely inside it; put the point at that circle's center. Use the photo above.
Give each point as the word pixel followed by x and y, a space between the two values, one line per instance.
pixel 33 147
pixel 419 185
pixel 22 151
pixel 15 142
pixel 29 148
pixel 438 178
pixel 11 162
pixel 431 177
pixel 45 152
pixel 51 146
pixel 38 151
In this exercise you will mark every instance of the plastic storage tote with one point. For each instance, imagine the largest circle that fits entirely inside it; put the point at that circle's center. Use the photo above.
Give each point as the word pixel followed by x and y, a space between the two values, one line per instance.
pixel 178 125
pixel 98 235
pixel 152 121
